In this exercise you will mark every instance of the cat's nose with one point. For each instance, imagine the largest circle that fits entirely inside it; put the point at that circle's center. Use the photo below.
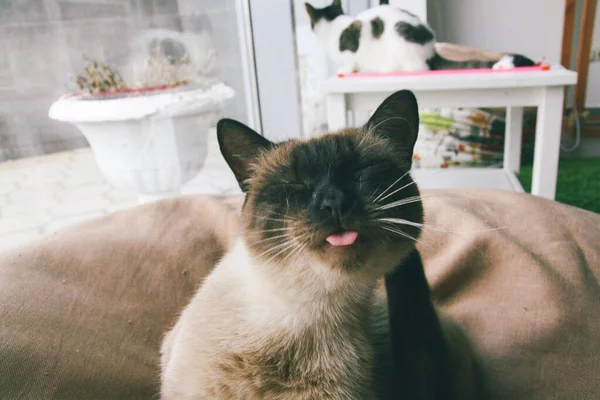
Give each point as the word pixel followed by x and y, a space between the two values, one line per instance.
pixel 335 202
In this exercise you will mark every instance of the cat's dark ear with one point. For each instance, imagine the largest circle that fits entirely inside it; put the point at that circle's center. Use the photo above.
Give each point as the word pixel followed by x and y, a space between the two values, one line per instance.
pixel 337 3
pixel 397 119
pixel 313 13
pixel 240 145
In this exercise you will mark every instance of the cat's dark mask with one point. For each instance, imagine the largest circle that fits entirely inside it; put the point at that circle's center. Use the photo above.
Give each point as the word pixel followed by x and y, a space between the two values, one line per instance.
pixel 300 193
pixel 328 13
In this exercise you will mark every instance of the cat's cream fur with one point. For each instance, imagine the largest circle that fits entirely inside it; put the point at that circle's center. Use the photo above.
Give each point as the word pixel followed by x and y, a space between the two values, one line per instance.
pixel 256 331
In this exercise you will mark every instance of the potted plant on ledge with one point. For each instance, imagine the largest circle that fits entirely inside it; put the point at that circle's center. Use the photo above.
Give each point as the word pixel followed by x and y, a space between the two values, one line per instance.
pixel 152 136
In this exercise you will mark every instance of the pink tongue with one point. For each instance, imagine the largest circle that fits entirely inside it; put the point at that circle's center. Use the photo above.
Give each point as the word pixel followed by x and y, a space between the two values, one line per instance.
pixel 342 239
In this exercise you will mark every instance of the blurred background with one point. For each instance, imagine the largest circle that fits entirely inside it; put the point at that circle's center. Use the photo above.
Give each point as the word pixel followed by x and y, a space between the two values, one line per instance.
pixel 266 53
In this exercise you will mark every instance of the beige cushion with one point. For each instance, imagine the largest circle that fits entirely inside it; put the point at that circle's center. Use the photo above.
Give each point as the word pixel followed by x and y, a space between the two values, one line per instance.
pixel 457 52
pixel 82 312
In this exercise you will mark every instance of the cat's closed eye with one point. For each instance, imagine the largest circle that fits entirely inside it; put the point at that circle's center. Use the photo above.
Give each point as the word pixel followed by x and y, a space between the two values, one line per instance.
pixel 370 172
pixel 294 185
pixel 298 186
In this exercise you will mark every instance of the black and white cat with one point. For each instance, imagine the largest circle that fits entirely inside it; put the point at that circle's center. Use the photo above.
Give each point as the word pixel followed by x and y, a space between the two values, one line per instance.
pixel 387 39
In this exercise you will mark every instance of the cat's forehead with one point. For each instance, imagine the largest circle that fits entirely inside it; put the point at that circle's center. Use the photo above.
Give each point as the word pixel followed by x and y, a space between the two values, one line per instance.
pixel 330 153
pixel 329 149
pixel 323 152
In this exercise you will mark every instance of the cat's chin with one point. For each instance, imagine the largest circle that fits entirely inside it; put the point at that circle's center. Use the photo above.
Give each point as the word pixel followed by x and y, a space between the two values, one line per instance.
pixel 366 257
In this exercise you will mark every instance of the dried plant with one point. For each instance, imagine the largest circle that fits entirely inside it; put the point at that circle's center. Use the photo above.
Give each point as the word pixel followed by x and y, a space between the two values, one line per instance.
pixel 99 77
pixel 168 63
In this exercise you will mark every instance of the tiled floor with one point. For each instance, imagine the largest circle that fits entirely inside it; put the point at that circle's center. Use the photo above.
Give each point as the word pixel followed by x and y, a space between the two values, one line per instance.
pixel 43 194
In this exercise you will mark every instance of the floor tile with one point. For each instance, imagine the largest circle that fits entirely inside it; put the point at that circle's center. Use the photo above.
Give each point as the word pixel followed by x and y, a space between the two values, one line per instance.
pixel 43 194
pixel 34 192
pixel 71 206
pixel 118 195
pixel 82 177
pixel 20 223
pixel 61 223
pixel 7 187
pixel 11 240
pixel 83 191
pixel 29 207
pixel 121 206
pixel 45 174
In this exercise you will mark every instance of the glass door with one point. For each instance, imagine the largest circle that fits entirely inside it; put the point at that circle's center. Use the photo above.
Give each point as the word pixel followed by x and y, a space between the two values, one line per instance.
pixel 109 60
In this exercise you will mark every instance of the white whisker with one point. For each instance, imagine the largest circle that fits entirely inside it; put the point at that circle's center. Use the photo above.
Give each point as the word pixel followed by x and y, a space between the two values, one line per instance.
pixel 297 250
pixel 291 244
pixel 398 203
pixel 401 221
pixel 263 218
pixel 373 194
pixel 285 235
pixel 413 199
pixel 289 228
pixel 406 235
pixel 407 185
pixel 397 190
pixel 389 187
pixel 372 129
pixel 271 249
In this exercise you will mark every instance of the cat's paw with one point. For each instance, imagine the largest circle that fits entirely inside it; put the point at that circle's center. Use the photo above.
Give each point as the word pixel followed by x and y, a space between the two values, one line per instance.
pixel 506 62
pixel 346 69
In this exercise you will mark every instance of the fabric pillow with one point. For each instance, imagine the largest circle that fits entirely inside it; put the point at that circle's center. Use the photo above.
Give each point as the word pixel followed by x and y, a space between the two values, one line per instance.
pixel 82 312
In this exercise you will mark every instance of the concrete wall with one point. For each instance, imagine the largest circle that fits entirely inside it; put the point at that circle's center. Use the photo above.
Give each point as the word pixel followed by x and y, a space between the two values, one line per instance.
pixel 42 41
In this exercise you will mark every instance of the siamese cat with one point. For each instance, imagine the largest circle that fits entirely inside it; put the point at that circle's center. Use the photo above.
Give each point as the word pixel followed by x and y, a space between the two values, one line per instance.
pixel 387 39
pixel 297 308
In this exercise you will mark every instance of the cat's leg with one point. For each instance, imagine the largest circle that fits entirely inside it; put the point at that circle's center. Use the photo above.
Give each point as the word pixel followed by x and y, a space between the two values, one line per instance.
pixel 514 60
pixel 419 352
pixel 346 69
pixel 348 64
pixel 415 65
pixel 180 377
pixel 506 62
pixel 427 365
pixel 167 380
pixel 166 347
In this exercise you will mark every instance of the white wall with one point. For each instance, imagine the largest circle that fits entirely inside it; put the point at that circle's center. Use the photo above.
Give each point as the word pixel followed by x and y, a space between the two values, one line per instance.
pixel 530 27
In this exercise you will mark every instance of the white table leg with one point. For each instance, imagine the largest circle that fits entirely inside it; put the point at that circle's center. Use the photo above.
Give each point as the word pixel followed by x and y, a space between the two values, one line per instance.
pixel 336 111
pixel 513 139
pixel 547 142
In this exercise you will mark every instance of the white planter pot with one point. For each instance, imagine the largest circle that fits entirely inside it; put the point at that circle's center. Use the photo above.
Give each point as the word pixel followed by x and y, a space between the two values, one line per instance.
pixel 153 144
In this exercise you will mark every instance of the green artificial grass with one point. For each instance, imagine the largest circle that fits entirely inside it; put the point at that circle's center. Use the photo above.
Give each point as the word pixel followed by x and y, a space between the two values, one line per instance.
pixel 578 182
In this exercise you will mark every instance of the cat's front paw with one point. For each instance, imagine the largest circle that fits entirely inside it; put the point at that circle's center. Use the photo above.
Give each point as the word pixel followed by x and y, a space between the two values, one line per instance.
pixel 346 69
pixel 506 62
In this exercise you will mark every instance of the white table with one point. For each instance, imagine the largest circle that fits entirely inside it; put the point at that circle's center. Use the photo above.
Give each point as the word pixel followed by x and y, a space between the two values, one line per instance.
pixel 351 100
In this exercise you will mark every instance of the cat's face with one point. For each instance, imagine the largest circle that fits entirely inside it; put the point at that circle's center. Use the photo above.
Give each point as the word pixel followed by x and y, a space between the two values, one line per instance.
pixel 336 198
